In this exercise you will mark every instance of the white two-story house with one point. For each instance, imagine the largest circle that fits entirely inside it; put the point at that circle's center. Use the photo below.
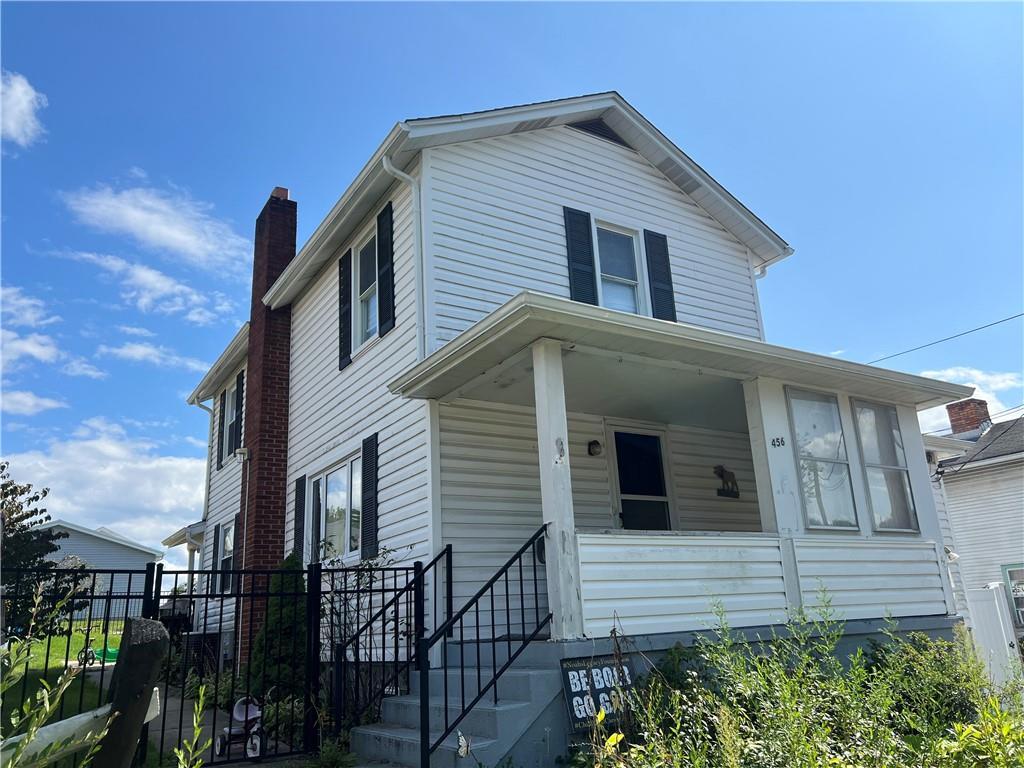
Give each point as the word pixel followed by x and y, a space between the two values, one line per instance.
pixel 547 316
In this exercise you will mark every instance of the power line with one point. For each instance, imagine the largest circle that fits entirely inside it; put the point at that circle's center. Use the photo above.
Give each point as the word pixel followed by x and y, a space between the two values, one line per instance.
pixel 978 455
pixel 954 336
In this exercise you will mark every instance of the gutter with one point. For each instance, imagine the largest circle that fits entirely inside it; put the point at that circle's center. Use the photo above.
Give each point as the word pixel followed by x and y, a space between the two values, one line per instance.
pixel 419 257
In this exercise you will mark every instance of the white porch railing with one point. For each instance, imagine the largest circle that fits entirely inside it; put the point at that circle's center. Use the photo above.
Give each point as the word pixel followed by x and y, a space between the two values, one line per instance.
pixel 644 584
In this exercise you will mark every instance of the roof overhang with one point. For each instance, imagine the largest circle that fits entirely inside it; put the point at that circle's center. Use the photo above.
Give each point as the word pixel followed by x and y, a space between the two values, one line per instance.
pixel 505 333
pixel 191 534
pixel 408 138
pixel 229 360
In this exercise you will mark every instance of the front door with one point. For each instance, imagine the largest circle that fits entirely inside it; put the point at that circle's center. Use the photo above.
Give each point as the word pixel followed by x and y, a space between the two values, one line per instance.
pixel 643 497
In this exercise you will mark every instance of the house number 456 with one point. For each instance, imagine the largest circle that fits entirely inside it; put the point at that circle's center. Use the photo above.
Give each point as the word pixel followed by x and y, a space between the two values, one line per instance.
pixel 778 442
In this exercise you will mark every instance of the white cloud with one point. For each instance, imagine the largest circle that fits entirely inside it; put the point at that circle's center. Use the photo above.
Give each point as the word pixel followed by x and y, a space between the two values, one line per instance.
pixel 101 475
pixel 23 403
pixel 837 352
pixel 19 104
pixel 151 290
pixel 25 311
pixel 162 357
pixel 134 330
pixel 168 221
pixel 1001 390
pixel 15 348
pixel 81 367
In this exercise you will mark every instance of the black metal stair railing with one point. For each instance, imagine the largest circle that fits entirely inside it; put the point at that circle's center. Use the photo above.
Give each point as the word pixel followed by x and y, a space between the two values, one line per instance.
pixel 377 652
pixel 497 600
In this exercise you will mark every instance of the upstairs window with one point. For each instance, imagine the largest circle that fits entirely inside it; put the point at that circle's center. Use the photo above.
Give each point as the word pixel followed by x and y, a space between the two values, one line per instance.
pixel 227 556
pixel 366 287
pixel 822 461
pixel 230 418
pixel 619 268
pixel 885 464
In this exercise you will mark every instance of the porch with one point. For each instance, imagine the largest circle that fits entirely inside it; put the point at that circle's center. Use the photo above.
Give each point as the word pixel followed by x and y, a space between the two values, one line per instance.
pixel 661 459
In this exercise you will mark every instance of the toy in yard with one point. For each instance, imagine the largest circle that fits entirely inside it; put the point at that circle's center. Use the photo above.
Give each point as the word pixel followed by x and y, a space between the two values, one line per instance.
pixel 246 727
pixel 89 656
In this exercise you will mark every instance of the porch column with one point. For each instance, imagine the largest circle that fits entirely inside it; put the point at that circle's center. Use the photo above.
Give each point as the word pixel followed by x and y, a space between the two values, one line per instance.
pixel 560 548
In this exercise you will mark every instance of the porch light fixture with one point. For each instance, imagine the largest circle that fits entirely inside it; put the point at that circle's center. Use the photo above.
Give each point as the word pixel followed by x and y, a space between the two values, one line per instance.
pixel 241 454
pixel 594 448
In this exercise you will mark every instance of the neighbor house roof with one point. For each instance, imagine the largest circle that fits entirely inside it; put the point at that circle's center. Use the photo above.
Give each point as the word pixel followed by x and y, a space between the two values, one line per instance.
pixel 407 138
pixel 105 534
pixel 232 357
pixel 1002 442
pixel 527 317
pixel 193 532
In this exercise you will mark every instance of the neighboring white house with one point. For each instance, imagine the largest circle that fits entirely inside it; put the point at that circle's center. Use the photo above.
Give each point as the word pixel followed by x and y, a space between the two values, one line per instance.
pixel 117 595
pixel 982 481
pixel 548 314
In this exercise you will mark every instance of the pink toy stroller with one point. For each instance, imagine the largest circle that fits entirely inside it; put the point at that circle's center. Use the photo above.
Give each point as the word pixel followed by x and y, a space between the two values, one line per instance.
pixel 246 727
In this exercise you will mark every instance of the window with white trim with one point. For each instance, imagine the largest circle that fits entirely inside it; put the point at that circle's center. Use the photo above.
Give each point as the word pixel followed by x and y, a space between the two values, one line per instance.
pixel 822 462
pixel 337 498
pixel 365 282
pixel 620 286
pixel 227 556
pixel 885 466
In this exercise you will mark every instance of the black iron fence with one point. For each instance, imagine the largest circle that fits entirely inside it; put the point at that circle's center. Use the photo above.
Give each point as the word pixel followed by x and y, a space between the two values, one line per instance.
pixel 283 657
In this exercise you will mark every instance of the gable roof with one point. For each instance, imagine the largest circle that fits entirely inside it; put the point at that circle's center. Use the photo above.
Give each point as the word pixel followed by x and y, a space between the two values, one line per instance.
pixel 1001 441
pixel 409 137
pixel 233 355
pixel 104 534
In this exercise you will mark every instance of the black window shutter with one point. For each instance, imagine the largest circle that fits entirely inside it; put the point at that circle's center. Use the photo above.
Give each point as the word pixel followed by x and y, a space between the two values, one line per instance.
pixel 220 430
pixel 239 399
pixel 369 521
pixel 659 273
pixel 345 310
pixel 579 243
pixel 385 271
pixel 314 524
pixel 299 535
pixel 215 557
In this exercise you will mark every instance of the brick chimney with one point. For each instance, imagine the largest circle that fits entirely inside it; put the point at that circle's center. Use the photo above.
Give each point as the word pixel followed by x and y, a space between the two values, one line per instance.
pixel 264 482
pixel 967 415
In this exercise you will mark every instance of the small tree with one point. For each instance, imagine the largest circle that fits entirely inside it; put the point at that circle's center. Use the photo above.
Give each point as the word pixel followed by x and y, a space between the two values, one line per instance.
pixel 26 545
pixel 279 650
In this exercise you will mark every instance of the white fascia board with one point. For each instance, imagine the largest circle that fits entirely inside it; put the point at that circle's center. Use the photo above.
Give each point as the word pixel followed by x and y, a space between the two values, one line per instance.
pixel 310 257
pixel 235 352
pixel 955 469
pixel 548 312
pixel 111 536
pixel 193 531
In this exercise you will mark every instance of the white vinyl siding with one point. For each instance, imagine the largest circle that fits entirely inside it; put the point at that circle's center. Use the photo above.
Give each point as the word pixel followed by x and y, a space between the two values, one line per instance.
pixel 490 483
pixel 494 226
pixel 985 509
pixel 870 579
pixel 332 411
pixel 650 584
pixel 949 540
pixel 223 505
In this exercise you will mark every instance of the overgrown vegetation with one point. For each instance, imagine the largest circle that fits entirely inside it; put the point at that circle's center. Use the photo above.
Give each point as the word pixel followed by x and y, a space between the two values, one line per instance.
pixel 793 702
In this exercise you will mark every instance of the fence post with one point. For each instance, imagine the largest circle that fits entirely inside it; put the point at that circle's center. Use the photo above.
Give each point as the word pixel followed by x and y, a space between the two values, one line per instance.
pixel 313 586
pixel 148 585
pixel 418 608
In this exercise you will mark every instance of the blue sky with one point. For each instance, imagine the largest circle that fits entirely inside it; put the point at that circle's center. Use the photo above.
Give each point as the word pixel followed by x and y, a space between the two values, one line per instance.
pixel 140 141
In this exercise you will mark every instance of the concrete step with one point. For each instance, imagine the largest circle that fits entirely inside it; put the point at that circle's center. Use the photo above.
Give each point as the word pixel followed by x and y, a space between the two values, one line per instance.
pixel 400 745
pixel 518 684
pixel 538 653
pixel 485 720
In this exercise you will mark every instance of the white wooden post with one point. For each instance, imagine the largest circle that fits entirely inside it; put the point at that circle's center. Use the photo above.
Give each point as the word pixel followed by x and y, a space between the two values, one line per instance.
pixel 560 547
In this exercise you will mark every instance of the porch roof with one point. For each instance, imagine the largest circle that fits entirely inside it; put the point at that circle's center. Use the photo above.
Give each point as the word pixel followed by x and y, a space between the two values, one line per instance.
pixel 482 353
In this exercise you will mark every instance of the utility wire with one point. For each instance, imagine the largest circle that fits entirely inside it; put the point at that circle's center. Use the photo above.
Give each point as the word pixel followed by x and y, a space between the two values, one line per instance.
pixel 954 336
pixel 978 455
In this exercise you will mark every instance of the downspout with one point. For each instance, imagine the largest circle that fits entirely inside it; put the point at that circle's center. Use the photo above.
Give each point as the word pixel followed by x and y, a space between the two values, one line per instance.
pixel 420 257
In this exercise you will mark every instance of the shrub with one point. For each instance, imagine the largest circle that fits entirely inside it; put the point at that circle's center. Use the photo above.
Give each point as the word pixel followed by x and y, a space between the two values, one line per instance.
pixel 277 662
pixel 996 740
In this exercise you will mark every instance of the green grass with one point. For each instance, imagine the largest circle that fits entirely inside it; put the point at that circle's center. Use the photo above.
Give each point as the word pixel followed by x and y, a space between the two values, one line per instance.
pixel 51 653
pixel 81 696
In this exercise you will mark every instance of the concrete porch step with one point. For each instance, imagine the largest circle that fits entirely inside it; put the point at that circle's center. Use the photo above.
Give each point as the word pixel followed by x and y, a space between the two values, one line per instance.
pixel 485 720
pixel 397 744
pixel 517 684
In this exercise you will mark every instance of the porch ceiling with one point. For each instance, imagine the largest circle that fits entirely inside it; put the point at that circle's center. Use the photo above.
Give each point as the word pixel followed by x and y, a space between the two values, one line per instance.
pixel 495 348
